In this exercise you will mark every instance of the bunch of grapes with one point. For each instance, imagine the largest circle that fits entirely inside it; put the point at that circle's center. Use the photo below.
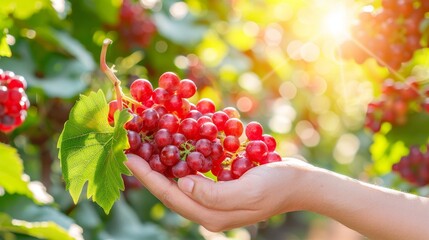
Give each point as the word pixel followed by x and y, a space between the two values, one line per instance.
pixel 391 34
pixel 178 138
pixel 13 101
pixel 396 101
pixel 135 28
pixel 414 167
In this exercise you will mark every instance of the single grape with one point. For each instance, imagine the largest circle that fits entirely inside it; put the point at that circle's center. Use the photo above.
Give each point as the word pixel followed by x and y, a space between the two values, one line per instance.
pixel 208 130
pixel 206 105
pixel 217 151
pixel 231 143
pixel 254 131
pixel 169 122
pixel 233 127
pixel 145 150
pixel 135 124
pixel 150 119
pixel 225 175
pixel 160 95
pixel 240 165
pixel 169 81
pixel 204 146
pixel 195 160
pixel 134 140
pixel 181 169
pixel 156 164
pixel 141 90
pixel 219 118
pixel 170 155
pixel 270 142
pixel 256 150
pixel 178 140
pixel 187 88
pixel 189 128
pixel 163 138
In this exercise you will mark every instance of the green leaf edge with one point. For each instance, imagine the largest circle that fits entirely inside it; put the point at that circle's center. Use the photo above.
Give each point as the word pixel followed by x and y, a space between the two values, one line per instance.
pixel 120 119
pixel 8 224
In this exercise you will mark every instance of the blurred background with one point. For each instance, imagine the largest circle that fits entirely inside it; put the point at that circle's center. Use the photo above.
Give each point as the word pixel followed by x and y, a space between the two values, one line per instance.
pixel 318 74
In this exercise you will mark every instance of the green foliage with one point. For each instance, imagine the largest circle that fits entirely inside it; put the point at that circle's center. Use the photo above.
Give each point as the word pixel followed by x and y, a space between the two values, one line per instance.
pixel 4 48
pixel 91 151
pixel 45 230
pixel 63 77
pixel 391 143
pixel 35 220
pixel 11 172
pixel 173 29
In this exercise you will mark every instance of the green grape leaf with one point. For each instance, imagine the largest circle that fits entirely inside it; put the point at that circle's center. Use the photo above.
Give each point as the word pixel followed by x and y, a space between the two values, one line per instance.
pixel 11 172
pixel 91 151
pixel 43 230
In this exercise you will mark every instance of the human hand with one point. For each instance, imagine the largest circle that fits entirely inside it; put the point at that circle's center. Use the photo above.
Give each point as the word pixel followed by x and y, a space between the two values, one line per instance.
pixel 260 193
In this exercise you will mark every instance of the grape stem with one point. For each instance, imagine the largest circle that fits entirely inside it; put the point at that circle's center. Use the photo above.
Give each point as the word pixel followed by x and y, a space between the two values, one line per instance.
pixel 110 72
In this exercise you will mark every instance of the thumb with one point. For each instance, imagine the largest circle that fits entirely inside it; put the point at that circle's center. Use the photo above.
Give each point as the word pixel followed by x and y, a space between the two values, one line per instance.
pixel 213 195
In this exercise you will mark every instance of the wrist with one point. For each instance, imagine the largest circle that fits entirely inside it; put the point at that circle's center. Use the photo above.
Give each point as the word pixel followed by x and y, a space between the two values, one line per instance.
pixel 301 193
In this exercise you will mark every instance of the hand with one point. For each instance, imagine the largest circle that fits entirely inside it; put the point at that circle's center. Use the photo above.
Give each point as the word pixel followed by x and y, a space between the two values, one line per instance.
pixel 260 193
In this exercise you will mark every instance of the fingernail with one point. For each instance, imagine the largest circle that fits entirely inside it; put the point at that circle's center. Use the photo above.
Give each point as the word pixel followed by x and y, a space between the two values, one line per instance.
pixel 186 184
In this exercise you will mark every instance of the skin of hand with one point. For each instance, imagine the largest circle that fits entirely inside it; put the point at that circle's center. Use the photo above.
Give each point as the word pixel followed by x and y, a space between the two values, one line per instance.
pixel 289 185
pixel 259 194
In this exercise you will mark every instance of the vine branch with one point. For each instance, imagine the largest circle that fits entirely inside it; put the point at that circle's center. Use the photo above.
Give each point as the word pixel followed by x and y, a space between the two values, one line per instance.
pixel 111 73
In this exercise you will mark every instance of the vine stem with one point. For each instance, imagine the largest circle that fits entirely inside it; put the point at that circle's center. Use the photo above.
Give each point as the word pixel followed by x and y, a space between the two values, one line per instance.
pixel 111 73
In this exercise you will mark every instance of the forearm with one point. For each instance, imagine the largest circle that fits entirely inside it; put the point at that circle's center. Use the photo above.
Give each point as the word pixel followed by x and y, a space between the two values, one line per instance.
pixel 376 212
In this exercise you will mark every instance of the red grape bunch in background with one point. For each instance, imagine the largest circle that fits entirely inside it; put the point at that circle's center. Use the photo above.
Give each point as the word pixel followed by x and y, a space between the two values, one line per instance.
pixel 414 167
pixel 135 27
pixel 178 138
pixel 13 101
pixel 398 99
pixel 391 34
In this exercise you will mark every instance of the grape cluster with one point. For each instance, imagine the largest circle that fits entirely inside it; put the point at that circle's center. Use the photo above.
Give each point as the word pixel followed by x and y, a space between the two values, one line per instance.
pixel 135 28
pixel 391 33
pixel 397 100
pixel 179 138
pixel 414 167
pixel 13 101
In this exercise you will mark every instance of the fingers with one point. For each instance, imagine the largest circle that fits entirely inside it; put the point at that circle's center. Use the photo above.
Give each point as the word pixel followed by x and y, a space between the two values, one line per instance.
pixel 226 196
pixel 168 192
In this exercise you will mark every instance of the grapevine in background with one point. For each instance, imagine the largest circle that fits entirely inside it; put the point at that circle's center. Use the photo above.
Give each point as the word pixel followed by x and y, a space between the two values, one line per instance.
pixel 13 101
pixel 390 34
pixel 398 100
pixel 414 167
pixel 135 27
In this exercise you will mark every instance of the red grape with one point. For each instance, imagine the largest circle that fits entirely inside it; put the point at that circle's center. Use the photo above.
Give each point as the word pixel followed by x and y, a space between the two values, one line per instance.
pixel 256 150
pixel 254 131
pixel 169 81
pixel 233 127
pixel 141 90
pixel 240 165
pixel 170 155
pixel 187 88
